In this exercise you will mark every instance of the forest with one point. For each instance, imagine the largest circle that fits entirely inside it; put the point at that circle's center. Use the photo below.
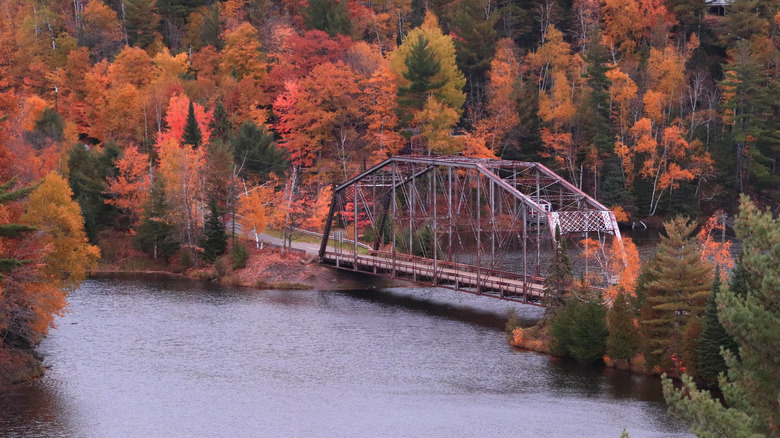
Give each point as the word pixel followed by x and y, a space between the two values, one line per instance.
pixel 150 125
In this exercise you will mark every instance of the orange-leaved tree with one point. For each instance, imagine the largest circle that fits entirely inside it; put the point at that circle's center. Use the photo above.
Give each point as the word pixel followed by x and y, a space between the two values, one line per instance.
pixel 615 266
pixel 714 246
pixel 182 166
pixel 130 188
pixel 501 107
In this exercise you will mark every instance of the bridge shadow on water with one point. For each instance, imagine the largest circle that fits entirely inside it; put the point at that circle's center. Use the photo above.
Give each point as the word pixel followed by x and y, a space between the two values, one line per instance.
pixel 444 303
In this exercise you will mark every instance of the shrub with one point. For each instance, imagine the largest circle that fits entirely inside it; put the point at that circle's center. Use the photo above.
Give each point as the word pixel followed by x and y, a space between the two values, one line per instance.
pixel 512 322
pixel 220 267
pixel 240 256
pixel 185 259
pixel 579 331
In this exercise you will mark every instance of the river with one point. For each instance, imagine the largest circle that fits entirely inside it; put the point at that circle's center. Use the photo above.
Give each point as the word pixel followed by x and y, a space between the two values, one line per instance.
pixel 158 357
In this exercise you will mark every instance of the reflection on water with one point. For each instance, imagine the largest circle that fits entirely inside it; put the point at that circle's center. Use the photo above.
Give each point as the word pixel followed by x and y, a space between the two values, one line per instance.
pixel 161 357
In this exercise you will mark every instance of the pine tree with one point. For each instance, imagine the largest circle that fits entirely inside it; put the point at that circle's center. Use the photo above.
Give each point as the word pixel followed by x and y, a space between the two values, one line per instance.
pixel 751 387
pixel 596 109
pixel 210 29
pixel 214 241
pixel 192 135
pixel 589 332
pixel 219 171
pixel 329 16
pixel 751 113
pixel 476 44
pixel 559 277
pixel 623 340
pixel 12 229
pixel 713 338
pixel 89 169
pixel 256 153
pixel 676 296
pixel 220 125
pixel 156 235
pixel 579 329
pixel 141 21
pixel 422 66
pixel 48 128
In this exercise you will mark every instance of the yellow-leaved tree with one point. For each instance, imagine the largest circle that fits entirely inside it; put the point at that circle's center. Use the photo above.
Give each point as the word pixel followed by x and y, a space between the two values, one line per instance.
pixel 52 210
pixel 429 83
pixel 251 212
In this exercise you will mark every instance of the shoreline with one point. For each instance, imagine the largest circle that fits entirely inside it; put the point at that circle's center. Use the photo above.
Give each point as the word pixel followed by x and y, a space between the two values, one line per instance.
pixel 537 339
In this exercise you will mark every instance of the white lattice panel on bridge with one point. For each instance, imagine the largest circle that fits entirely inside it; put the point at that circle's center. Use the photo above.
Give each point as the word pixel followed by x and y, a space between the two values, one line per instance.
pixel 581 221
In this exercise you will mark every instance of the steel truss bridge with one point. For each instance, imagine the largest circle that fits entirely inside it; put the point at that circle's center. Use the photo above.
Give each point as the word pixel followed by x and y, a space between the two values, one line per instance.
pixel 482 226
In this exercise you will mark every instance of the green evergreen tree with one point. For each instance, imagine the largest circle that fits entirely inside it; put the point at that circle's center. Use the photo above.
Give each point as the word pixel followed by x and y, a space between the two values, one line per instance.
pixel 88 170
pixel 595 112
pixel 579 329
pixel 559 278
pixel 192 135
pixel 214 240
pixel 589 332
pixel 477 43
pixel 755 115
pixel 329 16
pixel 173 15
pixel 12 229
pixel 219 182
pixel 751 389
pixel 48 128
pixel 528 141
pixel 156 235
pixel 141 21
pixel 676 296
pixel 518 22
pixel 211 28
pixel 422 66
pixel 220 125
pixel 623 340
pixel 256 153
pixel 713 338
pixel 613 191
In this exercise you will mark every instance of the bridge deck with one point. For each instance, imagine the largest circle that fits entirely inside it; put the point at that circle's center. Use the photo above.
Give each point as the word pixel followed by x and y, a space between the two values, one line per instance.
pixel 467 278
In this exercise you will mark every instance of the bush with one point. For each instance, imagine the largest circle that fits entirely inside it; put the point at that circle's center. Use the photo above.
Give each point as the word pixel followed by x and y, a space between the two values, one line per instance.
pixel 579 331
pixel 512 322
pixel 240 256
pixel 220 267
pixel 624 337
pixel 185 259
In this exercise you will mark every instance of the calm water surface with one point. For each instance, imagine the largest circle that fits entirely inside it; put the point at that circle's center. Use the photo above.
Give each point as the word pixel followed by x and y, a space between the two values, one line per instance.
pixel 169 358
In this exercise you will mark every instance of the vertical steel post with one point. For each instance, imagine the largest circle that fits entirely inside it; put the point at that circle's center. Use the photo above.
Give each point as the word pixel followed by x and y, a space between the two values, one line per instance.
pixel 525 253
pixel 493 224
pixel 411 212
pixel 435 228
pixel 479 232
pixel 538 229
pixel 392 221
pixel 355 224
pixel 449 202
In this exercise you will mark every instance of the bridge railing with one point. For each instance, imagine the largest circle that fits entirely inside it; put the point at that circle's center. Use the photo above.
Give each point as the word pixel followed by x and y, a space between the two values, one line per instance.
pixel 440 271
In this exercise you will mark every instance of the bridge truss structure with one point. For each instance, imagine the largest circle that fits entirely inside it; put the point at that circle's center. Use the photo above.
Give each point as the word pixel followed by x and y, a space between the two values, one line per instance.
pixel 483 226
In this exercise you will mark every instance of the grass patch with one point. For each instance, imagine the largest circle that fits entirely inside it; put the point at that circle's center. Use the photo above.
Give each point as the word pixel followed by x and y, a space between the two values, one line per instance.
pixel 206 274
pixel 230 280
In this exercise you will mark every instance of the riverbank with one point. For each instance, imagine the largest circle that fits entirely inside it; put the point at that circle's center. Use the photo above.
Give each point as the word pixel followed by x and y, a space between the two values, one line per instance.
pixel 19 365
pixel 537 338
pixel 267 268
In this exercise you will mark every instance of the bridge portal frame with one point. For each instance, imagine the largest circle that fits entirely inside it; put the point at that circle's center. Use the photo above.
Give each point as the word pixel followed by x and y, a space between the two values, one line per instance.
pixel 502 203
